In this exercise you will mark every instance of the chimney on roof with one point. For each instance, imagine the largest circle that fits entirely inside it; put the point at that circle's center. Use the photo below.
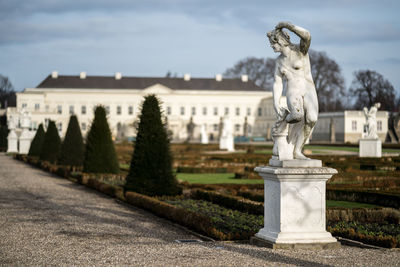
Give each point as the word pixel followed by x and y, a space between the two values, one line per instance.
pixel 218 77
pixel 118 76
pixel 82 75
pixel 54 74
pixel 245 78
pixel 186 77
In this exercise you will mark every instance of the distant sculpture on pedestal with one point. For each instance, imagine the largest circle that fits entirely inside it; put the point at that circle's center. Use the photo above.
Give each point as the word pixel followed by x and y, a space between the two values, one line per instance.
pixel 371 125
pixel 25 137
pixel 203 134
pixel 370 145
pixel 12 137
pixel 332 131
pixel 226 140
pixel 294 186
pixel 190 129
pixel 245 128
pixel 296 117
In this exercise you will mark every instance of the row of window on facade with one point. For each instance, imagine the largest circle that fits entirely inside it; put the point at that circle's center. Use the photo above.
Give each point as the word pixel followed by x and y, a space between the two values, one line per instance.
pixel 34 126
pixel 354 125
pixel 193 111
pixel 182 111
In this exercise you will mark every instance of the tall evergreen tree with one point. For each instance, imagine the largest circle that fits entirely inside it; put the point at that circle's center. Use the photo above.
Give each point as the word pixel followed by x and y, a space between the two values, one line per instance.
pixel 151 166
pixel 72 148
pixel 100 156
pixel 51 144
pixel 37 142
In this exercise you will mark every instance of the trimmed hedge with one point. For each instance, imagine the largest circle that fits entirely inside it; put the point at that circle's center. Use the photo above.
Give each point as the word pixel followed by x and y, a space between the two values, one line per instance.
pixel 51 144
pixel 377 239
pixel 198 222
pixel 379 199
pixel 364 215
pixel 252 196
pixel 230 202
pixel 100 156
pixel 37 142
pixel 3 137
pixel 72 149
pixel 151 166
pixel 189 169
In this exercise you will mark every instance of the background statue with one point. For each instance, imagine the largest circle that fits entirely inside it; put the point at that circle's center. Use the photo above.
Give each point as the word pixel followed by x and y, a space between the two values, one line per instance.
pixel 190 129
pixel 370 116
pixel 300 109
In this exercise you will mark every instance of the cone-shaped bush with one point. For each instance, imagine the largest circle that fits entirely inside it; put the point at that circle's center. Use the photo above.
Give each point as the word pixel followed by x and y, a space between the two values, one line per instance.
pixel 100 156
pixel 72 148
pixel 51 144
pixel 3 138
pixel 151 167
pixel 37 142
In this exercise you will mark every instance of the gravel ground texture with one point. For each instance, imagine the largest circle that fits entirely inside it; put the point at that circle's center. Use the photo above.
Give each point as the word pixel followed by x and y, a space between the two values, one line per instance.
pixel 46 220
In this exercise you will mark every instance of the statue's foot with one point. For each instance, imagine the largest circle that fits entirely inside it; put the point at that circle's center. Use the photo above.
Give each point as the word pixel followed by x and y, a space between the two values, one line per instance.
pixel 299 155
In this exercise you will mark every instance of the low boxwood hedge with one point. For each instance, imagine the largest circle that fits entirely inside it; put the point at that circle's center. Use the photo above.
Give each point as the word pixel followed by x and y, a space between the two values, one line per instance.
pixel 191 219
pixel 385 200
pixel 383 235
pixel 231 202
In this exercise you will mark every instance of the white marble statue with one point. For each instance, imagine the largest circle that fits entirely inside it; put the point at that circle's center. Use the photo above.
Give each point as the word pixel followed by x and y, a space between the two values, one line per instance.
pixel 296 117
pixel 203 134
pixel 12 137
pixel 25 138
pixel 226 140
pixel 370 116
pixel 25 119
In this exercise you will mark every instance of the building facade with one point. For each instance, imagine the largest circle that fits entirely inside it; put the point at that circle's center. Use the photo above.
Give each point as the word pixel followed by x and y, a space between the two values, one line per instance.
pixel 347 126
pixel 186 102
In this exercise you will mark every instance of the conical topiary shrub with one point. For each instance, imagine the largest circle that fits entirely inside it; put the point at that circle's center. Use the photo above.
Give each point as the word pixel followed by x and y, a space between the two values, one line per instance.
pixel 151 167
pixel 37 142
pixel 100 156
pixel 51 144
pixel 3 138
pixel 72 148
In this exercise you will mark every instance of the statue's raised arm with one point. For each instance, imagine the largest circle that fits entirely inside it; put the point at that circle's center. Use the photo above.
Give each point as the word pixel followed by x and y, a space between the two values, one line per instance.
pixel 305 36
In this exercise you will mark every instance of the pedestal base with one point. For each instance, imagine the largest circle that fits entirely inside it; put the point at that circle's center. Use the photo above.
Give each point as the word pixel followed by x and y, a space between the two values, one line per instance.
pixel 294 207
pixel 12 140
pixel 24 145
pixel 317 246
pixel 371 148
pixel 227 143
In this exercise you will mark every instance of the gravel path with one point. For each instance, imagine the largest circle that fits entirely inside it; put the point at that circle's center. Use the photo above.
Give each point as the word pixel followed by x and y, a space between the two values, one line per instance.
pixel 45 220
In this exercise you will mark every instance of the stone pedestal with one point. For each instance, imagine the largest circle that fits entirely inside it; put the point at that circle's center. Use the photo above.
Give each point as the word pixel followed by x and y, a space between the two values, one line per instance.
pixel 294 207
pixel 203 135
pixel 12 140
pixel 227 142
pixel 25 140
pixel 371 148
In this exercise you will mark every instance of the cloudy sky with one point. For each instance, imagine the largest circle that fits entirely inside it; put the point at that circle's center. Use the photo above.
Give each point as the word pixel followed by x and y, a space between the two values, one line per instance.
pixel 200 37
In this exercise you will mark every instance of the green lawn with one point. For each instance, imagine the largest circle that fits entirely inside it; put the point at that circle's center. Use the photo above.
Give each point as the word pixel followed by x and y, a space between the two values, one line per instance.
pixel 215 178
pixel 323 149
pixel 347 204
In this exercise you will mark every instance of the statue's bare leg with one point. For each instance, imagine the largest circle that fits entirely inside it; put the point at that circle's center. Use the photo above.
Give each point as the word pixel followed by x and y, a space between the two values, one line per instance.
pixel 296 118
pixel 303 129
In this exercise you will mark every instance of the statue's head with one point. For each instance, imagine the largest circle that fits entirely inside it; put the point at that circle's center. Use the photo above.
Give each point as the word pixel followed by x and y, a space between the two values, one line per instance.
pixel 278 37
pixel 377 105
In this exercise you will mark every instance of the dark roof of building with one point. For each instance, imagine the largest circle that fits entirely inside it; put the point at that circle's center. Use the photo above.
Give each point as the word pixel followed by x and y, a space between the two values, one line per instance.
pixel 109 82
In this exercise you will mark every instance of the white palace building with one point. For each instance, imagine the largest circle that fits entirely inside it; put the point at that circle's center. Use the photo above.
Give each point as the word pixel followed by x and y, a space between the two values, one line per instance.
pixel 203 101
pixel 186 102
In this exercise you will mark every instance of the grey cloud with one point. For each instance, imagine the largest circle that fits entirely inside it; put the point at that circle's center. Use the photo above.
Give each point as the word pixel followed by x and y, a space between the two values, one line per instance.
pixel 392 60
pixel 25 32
